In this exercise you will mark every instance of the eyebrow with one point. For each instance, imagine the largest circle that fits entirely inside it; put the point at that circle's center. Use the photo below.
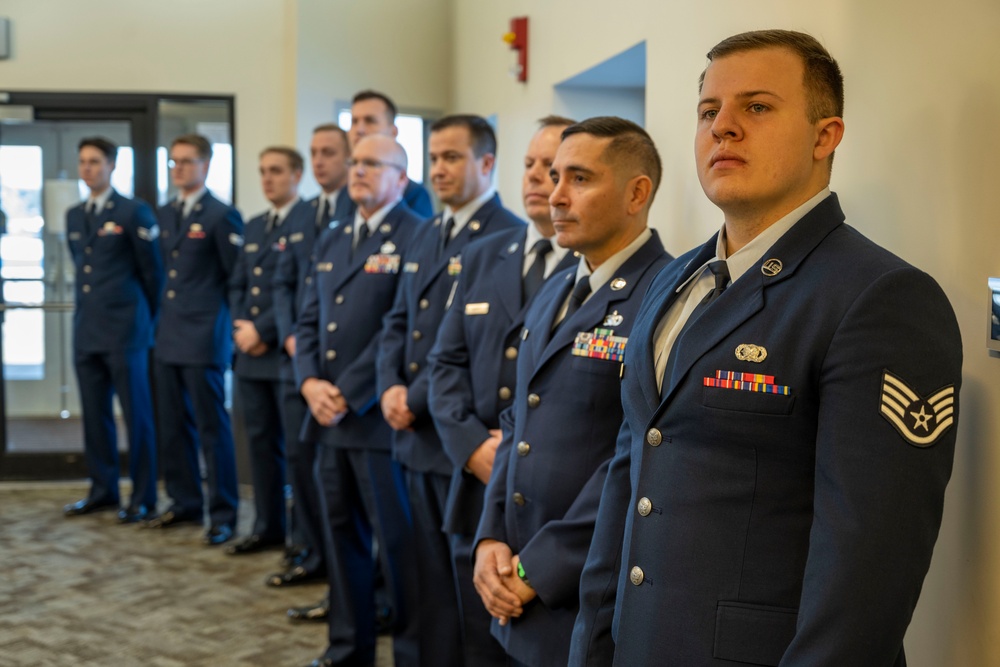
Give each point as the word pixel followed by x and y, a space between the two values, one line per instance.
pixel 574 169
pixel 743 95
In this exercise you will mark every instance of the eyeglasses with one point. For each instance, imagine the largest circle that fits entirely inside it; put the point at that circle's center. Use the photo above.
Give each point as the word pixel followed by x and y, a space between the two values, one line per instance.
pixel 369 163
pixel 183 162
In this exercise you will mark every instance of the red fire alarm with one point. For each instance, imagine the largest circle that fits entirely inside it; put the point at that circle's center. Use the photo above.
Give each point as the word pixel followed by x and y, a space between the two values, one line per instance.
pixel 518 40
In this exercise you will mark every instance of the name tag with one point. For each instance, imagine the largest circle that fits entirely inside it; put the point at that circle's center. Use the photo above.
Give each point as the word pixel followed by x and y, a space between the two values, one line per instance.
pixel 296 237
pixel 74 236
pixel 251 247
pixel 324 266
pixel 382 263
pixel 411 267
pixel 600 344
pixel 477 308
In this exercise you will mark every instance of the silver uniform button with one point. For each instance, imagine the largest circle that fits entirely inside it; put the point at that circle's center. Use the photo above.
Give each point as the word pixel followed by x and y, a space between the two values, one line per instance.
pixel 654 437
pixel 257 271
pixel 86 289
pixel 519 499
pixel 309 280
pixel 645 506
pixel 255 291
pixel 636 576
pixel 424 304
pixel 417 335
pixel 175 254
pixel 510 353
pixel 414 367
pixel 87 268
pixel 171 294
pixel 534 400
pixel 331 327
pixel 90 250
pixel 255 311
pixel 523 448
pixel 339 299
pixel 172 273
pixel 331 355
pixel 504 393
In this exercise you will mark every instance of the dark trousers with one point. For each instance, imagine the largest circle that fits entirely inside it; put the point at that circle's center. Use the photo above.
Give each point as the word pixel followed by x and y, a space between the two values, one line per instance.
pixel 364 496
pixel 262 401
pixel 192 411
pixel 101 375
pixel 439 611
pixel 480 648
pixel 307 515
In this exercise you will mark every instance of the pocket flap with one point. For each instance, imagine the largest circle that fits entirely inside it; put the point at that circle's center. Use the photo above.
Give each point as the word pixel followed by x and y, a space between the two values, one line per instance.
pixel 754 634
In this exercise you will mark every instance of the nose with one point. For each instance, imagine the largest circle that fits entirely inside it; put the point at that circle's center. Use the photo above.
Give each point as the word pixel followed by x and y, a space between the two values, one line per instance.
pixel 437 168
pixel 537 174
pixel 558 197
pixel 725 125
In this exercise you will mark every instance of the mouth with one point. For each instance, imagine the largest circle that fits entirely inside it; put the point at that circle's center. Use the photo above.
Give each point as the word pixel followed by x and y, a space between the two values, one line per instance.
pixel 726 160
pixel 536 197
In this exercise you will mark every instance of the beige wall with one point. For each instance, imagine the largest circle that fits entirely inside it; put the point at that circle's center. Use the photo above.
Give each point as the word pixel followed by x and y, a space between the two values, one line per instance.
pixel 226 47
pixel 400 48
pixel 916 172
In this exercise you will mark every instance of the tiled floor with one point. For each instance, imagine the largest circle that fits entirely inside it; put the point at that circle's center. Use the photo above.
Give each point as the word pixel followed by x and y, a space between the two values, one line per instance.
pixel 87 591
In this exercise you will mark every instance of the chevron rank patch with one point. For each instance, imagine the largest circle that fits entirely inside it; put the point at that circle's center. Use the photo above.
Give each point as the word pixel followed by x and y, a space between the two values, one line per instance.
pixel 920 420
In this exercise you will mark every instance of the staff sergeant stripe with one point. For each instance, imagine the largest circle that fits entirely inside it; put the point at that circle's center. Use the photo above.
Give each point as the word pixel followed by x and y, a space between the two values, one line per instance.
pixel 899 401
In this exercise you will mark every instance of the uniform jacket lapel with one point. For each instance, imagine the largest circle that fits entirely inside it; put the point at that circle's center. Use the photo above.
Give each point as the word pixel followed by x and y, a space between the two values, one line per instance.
pixel 746 296
pixel 506 275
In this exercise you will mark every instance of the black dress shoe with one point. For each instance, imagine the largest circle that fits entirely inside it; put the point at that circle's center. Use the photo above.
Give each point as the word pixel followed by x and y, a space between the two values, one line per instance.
pixel 252 544
pixel 293 556
pixel 133 514
pixel 316 612
pixel 295 575
pixel 170 518
pixel 86 506
pixel 217 535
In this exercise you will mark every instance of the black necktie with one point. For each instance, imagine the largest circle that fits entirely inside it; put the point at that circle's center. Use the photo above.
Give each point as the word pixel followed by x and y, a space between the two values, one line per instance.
pixel 576 298
pixel 720 271
pixel 272 222
pixel 363 233
pixel 180 212
pixel 535 276
pixel 323 215
pixel 90 215
pixel 449 226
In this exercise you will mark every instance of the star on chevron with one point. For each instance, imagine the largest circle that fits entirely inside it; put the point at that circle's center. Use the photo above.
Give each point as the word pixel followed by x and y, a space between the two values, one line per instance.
pixel 921 419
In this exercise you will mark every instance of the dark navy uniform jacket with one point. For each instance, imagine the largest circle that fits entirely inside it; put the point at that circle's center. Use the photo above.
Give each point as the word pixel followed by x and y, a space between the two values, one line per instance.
pixel 199 253
pixel 415 196
pixel 295 262
pixel 426 290
pixel 251 291
pixel 559 436
pixel 337 334
pixel 119 275
pixel 790 528
pixel 474 361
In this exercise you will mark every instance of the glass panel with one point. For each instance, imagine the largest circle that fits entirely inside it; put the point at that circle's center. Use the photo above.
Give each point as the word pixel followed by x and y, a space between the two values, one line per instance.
pixel 209 118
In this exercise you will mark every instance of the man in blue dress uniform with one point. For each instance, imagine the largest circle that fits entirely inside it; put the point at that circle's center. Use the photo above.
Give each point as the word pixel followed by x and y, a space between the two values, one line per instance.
pixel 462 155
pixel 329 151
pixel 559 434
pixel 358 265
pixel 119 274
pixel 373 112
pixel 473 367
pixel 260 377
pixel 791 400
pixel 201 239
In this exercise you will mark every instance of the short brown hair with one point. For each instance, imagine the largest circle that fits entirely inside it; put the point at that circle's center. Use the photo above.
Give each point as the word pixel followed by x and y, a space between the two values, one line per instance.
pixel 106 146
pixel 336 129
pixel 481 134
pixel 552 120
pixel 294 157
pixel 823 80
pixel 390 106
pixel 630 145
pixel 201 144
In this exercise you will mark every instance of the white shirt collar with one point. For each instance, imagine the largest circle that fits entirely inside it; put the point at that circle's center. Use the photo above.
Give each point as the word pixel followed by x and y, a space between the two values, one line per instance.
pixel 100 200
pixel 607 270
pixel 189 201
pixel 376 218
pixel 283 211
pixel 464 215
pixel 552 259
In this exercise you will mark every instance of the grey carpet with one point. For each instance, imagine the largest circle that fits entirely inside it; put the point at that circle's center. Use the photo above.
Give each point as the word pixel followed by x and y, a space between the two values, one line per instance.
pixel 87 591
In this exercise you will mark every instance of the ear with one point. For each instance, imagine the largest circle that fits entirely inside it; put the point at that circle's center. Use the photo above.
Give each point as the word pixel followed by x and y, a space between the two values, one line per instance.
pixel 489 159
pixel 394 130
pixel 829 132
pixel 637 193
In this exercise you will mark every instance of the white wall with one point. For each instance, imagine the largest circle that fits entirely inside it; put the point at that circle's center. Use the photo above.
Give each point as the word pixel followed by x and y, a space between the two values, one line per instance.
pixel 916 172
pixel 233 47
pixel 402 49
